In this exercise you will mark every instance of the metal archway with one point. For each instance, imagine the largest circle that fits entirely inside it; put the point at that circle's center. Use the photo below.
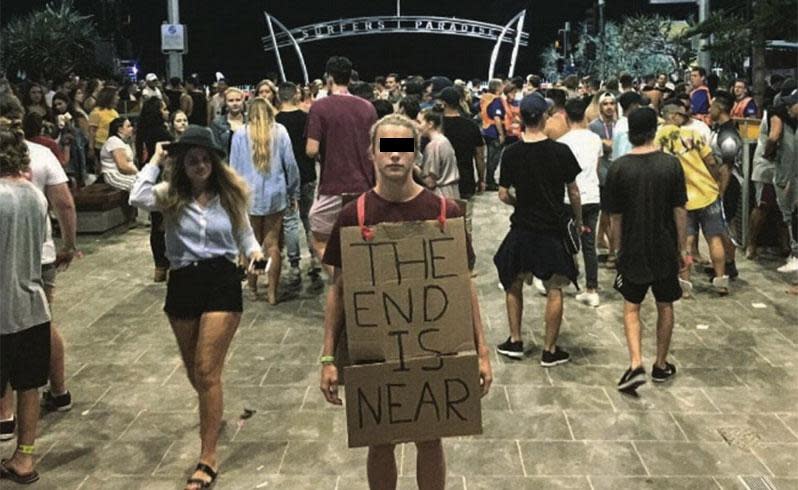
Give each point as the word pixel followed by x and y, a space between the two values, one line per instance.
pixel 360 26
pixel 520 16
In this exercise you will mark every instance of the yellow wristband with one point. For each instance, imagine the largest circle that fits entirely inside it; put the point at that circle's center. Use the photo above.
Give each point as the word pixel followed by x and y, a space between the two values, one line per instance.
pixel 25 449
pixel 327 359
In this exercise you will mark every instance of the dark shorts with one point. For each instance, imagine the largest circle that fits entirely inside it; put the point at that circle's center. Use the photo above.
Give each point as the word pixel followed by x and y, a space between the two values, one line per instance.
pixel 207 285
pixel 665 290
pixel 524 252
pixel 731 200
pixel 710 220
pixel 25 358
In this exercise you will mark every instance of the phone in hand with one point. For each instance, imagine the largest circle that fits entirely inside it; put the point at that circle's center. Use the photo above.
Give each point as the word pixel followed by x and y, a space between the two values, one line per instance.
pixel 261 265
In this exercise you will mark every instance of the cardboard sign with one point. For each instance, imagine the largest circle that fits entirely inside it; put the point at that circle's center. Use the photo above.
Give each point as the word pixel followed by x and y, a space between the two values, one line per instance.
pixel 407 301
pixel 407 291
pixel 432 397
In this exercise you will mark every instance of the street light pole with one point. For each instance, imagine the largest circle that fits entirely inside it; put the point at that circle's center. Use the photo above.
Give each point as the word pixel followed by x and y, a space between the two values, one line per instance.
pixel 704 58
pixel 174 59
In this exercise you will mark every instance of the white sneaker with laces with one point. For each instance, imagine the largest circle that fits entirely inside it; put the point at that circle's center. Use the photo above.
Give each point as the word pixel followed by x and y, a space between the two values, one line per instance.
pixel 590 299
pixel 790 266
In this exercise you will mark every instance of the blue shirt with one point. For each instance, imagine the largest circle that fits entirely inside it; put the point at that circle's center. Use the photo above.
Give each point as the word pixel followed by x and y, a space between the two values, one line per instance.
pixel 270 190
pixel 495 109
pixel 199 233
pixel 620 139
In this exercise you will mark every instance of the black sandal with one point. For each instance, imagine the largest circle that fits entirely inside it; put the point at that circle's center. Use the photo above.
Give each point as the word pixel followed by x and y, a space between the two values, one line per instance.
pixel 202 483
pixel 9 473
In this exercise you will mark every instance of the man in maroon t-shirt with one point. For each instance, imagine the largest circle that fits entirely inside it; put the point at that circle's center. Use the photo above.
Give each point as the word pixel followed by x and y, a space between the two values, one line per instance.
pixel 396 197
pixel 338 134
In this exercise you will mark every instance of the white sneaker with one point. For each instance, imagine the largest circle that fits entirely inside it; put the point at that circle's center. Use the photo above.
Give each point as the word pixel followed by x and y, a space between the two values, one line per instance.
pixel 539 286
pixel 590 299
pixel 790 266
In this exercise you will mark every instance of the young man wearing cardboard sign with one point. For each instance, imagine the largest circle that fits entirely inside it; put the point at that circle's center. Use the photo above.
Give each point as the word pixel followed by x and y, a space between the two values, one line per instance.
pixel 395 198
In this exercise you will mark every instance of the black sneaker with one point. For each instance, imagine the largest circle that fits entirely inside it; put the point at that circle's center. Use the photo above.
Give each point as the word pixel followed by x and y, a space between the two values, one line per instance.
pixel 59 403
pixel 631 380
pixel 511 349
pixel 555 358
pixel 7 429
pixel 661 375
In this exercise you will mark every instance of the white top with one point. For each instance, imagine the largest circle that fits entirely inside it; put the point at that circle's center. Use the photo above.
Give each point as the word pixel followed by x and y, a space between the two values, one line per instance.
pixel 586 147
pixel 45 171
pixel 701 128
pixel 148 92
pixel 107 156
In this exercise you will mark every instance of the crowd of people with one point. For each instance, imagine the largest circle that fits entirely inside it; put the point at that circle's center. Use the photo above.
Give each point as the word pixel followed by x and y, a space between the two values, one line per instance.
pixel 624 172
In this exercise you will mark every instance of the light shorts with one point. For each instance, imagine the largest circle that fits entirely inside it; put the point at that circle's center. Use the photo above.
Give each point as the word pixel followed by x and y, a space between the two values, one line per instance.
pixel 324 213
pixel 48 280
pixel 710 219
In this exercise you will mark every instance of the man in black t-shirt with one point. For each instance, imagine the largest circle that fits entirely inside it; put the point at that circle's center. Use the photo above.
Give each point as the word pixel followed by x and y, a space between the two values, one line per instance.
pixel 294 121
pixel 469 147
pixel 538 169
pixel 647 194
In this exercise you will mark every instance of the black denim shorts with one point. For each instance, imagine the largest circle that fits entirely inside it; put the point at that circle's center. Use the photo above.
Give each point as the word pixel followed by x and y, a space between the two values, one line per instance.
pixel 206 285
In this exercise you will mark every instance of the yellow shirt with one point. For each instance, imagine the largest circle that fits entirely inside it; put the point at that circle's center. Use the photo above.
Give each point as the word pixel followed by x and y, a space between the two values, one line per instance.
pixel 101 119
pixel 691 149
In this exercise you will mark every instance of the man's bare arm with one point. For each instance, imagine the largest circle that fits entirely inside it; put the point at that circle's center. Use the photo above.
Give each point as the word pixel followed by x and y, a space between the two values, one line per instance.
pixel 616 225
pixel 333 323
pixel 312 148
pixel 61 200
pixel 485 371
pixel 576 202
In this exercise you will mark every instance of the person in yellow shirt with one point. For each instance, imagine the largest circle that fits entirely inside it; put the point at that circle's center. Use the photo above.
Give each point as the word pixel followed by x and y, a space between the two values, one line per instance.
pixel 704 207
pixel 100 120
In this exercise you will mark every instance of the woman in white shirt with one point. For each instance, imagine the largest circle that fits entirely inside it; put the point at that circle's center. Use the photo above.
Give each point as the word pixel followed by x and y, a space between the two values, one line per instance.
pixel 116 155
pixel 205 204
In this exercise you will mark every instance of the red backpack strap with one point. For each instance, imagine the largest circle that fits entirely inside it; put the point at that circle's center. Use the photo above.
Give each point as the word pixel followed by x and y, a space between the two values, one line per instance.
pixel 442 215
pixel 368 233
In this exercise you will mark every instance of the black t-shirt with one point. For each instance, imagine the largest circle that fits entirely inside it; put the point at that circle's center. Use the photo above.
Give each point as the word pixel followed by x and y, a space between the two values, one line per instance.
pixel 645 189
pixel 465 137
pixel 294 122
pixel 538 171
pixel 199 110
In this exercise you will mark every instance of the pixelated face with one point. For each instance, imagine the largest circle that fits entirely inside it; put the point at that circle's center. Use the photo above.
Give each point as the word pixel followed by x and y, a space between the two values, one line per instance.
pixel 740 90
pixel 180 123
pixel 396 162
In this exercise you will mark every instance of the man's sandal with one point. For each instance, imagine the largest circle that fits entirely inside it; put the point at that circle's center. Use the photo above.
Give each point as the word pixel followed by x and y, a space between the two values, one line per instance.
pixel 8 473
pixel 202 483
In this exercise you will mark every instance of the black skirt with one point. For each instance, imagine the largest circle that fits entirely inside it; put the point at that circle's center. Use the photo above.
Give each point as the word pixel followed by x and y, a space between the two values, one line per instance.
pixel 539 253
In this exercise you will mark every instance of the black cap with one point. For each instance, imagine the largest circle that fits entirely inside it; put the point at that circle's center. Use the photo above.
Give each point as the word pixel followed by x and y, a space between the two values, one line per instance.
pixel 196 136
pixel 642 120
pixel 438 84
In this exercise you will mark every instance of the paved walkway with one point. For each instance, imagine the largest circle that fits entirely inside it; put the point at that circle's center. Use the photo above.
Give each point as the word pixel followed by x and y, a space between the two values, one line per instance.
pixel 731 414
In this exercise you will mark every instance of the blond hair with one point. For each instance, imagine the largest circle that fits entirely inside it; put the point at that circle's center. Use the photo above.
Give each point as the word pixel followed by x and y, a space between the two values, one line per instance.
pixel 233 90
pixel 259 127
pixel 394 120
pixel 174 193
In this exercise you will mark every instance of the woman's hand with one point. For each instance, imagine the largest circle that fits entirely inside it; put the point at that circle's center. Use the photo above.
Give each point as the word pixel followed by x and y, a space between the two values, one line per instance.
pixel 256 256
pixel 160 153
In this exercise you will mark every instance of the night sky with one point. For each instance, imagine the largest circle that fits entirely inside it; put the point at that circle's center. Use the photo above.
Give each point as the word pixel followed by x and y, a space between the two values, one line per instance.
pixel 226 35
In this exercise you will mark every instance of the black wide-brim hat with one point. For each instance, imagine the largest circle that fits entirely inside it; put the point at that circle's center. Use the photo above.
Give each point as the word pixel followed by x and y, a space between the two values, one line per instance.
pixel 196 136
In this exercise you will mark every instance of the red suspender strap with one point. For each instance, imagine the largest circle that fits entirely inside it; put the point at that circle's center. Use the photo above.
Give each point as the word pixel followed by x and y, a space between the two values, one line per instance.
pixel 442 216
pixel 367 232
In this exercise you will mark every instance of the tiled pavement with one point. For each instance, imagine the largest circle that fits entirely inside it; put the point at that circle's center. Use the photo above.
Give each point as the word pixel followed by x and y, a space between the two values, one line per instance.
pixel 731 414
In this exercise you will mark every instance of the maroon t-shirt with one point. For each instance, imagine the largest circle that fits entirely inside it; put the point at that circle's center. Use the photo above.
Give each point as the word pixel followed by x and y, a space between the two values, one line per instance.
pixel 341 124
pixel 425 206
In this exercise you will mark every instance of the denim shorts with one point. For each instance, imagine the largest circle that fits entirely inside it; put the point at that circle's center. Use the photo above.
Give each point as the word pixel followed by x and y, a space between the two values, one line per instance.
pixel 710 219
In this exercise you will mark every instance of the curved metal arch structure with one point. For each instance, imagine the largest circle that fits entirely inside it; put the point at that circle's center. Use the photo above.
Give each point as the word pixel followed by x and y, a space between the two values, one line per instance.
pixel 397 24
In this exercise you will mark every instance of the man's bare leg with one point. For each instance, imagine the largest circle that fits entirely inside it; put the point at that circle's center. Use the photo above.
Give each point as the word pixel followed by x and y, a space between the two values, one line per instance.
pixel 57 376
pixel 515 309
pixel 631 328
pixel 430 465
pixel 27 419
pixel 320 245
pixel 664 332
pixel 381 467
pixel 553 317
